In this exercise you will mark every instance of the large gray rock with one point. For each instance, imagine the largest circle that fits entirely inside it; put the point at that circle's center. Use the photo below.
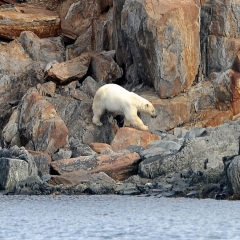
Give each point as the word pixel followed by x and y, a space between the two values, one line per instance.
pixel 233 173
pixel 203 154
pixel 16 164
pixel 158 147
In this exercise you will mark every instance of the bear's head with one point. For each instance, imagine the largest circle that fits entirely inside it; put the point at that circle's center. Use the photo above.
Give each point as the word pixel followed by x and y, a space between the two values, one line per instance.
pixel 150 110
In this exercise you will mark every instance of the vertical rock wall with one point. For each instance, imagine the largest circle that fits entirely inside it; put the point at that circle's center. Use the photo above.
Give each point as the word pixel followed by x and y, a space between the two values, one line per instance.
pixel 161 43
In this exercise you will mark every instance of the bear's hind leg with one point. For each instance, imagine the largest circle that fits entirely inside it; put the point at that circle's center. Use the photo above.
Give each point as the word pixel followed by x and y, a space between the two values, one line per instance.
pixel 97 113
pixel 135 121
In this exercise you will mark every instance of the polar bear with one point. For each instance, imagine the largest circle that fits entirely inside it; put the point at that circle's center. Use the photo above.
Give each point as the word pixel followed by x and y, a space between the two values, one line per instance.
pixel 117 100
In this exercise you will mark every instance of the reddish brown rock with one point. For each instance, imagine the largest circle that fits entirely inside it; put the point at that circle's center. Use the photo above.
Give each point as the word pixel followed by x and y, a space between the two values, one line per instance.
pixel 129 136
pixel 71 70
pixel 42 22
pixel 104 68
pixel 40 126
pixel 99 147
pixel 214 117
pixel 118 166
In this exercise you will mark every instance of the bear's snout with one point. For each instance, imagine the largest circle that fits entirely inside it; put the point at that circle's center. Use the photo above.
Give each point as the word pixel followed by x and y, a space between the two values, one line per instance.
pixel 154 115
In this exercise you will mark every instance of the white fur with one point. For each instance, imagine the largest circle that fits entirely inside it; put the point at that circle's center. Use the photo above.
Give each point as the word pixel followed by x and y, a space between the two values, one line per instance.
pixel 115 99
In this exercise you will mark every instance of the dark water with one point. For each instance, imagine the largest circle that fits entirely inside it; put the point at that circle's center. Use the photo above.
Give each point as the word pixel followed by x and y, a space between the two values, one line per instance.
pixel 117 217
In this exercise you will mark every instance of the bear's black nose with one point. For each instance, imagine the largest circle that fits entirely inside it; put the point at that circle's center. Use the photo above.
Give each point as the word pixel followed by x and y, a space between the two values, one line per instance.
pixel 154 116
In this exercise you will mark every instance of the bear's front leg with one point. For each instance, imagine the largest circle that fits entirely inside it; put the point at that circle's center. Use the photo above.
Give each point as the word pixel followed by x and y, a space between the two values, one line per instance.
pixel 142 127
pixel 135 121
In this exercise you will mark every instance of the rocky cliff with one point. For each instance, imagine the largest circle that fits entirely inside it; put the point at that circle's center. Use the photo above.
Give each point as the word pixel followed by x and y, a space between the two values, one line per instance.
pixel 183 56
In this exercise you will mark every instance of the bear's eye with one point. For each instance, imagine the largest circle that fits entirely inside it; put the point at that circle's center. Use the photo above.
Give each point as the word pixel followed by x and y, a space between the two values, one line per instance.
pixel 147 104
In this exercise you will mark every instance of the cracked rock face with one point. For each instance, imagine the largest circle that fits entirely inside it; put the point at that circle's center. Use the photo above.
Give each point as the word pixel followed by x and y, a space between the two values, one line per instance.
pixel 161 42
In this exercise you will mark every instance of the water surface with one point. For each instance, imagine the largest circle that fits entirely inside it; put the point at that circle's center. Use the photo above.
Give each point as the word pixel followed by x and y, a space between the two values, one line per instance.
pixel 117 217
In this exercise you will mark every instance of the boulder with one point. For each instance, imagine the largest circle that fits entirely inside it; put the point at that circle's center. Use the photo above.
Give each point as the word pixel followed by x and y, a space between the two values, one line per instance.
pixel 104 68
pixel 127 136
pixel 16 164
pixel 118 166
pixel 17 19
pixel 74 69
pixel 40 127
